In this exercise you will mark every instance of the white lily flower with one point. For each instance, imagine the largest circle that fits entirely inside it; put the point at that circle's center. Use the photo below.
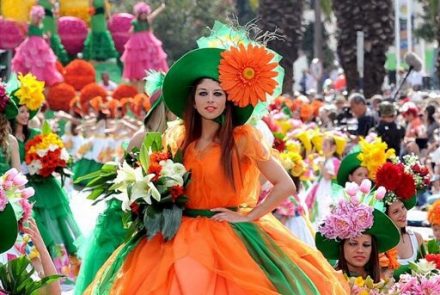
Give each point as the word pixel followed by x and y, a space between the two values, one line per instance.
pixel 125 175
pixel 425 266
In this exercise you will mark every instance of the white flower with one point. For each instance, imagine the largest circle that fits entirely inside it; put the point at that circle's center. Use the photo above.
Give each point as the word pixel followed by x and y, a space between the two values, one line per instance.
pixel 170 168
pixel 141 189
pixel 64 155
pixel 425 267
pixel 34 167
pixel 125 175
pixel 171 181
pixel 42 153
pixel 53 147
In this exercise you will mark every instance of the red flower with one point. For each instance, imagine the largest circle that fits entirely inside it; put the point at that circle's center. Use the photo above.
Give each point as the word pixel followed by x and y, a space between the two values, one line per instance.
pixel 434 258
pixel 155 169
pixel 406 187
pixel 426 181
pixel 177 191
pixel 389 176
pixel 135 208
pixel 279 145
pixel 157 157
pixel 424 171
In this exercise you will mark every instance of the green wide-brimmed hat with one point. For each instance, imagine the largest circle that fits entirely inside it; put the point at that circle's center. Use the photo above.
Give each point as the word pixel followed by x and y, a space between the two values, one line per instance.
pixel 384 231
pixel 410 203
pixel 8 228
pixel 194 65
pixel 348 165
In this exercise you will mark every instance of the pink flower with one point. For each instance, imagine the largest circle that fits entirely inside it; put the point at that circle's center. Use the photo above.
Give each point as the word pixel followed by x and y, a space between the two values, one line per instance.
pixel 380 193
pixel 20 180
pixel 351 188
pixel 362 218
pixel 365 186
pixel 3 200
pixel 27 209
pixel 27 192
pixel 10 174
pixel 7 185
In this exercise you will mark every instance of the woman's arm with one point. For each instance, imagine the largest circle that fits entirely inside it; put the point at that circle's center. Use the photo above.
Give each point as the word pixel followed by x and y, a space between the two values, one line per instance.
pixel 283 187
pixel 155 13
pixel 15 156
pixel 47 263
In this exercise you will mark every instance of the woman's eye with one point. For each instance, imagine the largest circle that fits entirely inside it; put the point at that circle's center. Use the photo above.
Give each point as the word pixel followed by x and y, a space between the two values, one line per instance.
pixel 367 245
pixel 203 93
pixel 218 93
pixel 352 243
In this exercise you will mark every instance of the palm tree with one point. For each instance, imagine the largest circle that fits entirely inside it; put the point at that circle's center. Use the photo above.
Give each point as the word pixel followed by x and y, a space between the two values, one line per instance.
pixel 286 16
pixel 376 19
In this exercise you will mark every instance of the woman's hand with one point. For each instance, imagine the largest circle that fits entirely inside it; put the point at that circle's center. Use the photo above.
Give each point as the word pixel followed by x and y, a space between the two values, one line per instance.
pixel 34 233
pixel 229 216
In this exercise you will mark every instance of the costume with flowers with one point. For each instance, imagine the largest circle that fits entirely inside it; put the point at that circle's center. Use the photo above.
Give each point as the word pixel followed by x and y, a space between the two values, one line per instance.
pixel 50 26
pixel 51 210
pixel 207 256
pixel 99 43
pixel 143 51
pixel 35 56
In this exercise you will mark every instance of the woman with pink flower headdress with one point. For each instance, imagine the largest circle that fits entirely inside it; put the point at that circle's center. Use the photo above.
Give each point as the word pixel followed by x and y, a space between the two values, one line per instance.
pixel 34 55
pixel 355 232
pixel 143 51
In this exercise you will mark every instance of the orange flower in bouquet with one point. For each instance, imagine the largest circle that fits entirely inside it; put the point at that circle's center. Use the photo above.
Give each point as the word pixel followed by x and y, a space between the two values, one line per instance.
pixel 45 154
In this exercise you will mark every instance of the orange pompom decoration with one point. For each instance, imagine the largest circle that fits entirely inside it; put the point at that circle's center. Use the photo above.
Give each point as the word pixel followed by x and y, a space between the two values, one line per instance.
pixel 79 73
pixel 306 112
pixel 89 92
pixel 59 97
pixel 60 68
pixel 124 91
pixel 138 103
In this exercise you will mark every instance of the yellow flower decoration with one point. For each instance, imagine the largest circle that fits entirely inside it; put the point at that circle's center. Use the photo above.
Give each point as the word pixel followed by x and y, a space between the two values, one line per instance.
pixel 30 92
pixel 293 163
pixel 373 155
pixel 359 281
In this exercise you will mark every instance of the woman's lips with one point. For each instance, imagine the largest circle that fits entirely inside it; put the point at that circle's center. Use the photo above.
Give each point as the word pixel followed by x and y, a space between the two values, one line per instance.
pixel 210 109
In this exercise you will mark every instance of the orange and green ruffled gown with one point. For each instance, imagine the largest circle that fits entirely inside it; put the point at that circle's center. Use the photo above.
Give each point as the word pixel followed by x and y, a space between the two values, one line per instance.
pixel 208 257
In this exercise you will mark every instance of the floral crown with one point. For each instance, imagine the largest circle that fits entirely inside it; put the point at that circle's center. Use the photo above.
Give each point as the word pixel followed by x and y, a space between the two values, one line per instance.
pixel 4 97
pixel 374 154
pixel 402 179
pixel 37 11
pixel 30 93
pixel 141 7
pixel 434 213
pixel 353 215
pixel 249 72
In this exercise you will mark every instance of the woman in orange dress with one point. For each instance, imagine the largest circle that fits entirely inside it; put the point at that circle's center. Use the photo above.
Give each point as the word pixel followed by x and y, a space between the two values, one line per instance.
pixel 226 244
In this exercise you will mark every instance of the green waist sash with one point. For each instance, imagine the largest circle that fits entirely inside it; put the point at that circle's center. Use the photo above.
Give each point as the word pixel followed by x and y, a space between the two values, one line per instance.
pixel 284 274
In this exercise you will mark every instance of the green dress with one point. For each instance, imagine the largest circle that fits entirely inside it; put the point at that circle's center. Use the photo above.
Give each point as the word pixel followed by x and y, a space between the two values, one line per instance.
pixel 99 43
pixel 51 210
pixel 49 26
pixel 107 236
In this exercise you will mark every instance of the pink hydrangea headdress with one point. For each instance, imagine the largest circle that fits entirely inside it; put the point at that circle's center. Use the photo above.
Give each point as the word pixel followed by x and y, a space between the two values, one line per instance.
pixel 141 7
pixel 4 98
pixel 37 11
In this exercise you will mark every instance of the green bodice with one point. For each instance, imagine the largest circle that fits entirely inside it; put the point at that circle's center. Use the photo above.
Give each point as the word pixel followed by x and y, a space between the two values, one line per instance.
pixel 140 26
pixel 21 144
pixel 4 163
pixel 35 31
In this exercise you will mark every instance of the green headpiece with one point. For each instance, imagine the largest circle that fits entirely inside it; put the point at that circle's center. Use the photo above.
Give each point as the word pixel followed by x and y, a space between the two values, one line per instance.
pixel 7 105
pixel 8 228
pixel 348 165
pixel 247 71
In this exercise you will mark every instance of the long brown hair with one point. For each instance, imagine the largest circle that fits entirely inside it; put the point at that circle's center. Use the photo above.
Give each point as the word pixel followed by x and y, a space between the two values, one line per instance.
pixel 372 267
pixel 193 130
pixel 4 135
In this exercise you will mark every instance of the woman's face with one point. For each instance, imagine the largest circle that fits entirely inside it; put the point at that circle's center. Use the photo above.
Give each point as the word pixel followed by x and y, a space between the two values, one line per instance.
pixel 23 116
pixel 358 175
pixel 397 212
pixel 357 251
pixel 328 148
pixel 210 99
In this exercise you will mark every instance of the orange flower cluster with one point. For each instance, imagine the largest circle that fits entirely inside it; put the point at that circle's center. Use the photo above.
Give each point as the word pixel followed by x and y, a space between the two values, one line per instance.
pixel 124 91
pixel 155 167
pixel 79 73
pixel 41 156
pixel 60 96
pixel 389 259
pixel 88 93
pixel 247 74
pixel 138 103
pixel 434 213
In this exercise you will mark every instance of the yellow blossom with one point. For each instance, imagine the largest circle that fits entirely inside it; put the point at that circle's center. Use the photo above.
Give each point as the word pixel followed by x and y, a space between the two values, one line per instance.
pixel 359 281
pixel 30 92
pixel 373 155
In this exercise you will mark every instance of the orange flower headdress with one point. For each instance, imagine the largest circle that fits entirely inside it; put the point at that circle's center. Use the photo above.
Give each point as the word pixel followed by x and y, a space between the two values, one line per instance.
pixel 434 213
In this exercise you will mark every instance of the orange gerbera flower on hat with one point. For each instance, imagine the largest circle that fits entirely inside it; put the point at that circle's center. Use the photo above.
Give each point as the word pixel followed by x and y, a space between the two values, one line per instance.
pixel 247 74
pixel 434 213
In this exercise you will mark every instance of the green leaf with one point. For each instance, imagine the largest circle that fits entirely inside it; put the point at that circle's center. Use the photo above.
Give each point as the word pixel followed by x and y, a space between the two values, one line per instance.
pixel 178 157
pixel 95 193
pixel 172 220
pixel 152 223
pixel 46 128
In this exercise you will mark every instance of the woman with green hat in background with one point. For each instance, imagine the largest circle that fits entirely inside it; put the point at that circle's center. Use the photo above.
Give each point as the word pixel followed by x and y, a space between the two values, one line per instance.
pixel 355 233
pixel 402 180
pixel 51 206
pixel 217 250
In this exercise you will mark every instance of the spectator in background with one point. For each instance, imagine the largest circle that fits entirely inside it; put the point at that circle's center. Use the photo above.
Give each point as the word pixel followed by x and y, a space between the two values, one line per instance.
pixel 108 84
pixel 431 124
pixel 375 102
pixel 359 109
pixel 387 129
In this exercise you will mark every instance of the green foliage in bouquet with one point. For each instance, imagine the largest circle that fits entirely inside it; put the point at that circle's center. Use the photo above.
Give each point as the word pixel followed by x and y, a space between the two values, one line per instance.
pixel 16 278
